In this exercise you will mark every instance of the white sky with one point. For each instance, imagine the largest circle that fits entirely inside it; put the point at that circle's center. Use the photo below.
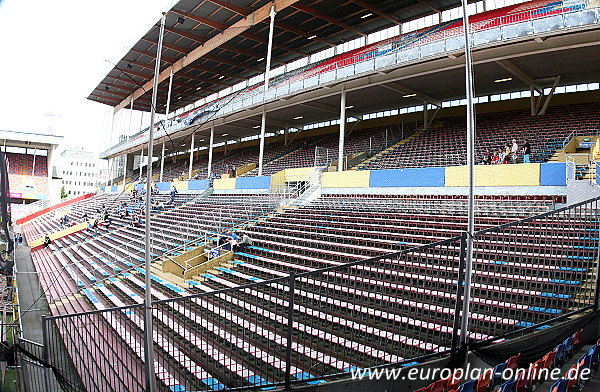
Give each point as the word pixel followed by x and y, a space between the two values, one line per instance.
pixel 52 55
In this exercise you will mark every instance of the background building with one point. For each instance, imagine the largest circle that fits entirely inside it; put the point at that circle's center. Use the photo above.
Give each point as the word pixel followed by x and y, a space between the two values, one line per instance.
pixel 80 171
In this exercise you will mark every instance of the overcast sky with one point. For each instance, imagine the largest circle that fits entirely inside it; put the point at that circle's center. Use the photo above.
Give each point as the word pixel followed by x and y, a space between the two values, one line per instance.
pixel 53 54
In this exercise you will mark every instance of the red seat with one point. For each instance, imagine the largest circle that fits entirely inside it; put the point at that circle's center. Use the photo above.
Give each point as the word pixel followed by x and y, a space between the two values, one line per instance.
pixel 513 362
pixel 483 381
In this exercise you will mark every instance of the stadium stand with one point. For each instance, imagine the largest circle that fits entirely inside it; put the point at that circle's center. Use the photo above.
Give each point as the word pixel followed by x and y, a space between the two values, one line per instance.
pixel 445 144
pixel 328 232
pixel 334 283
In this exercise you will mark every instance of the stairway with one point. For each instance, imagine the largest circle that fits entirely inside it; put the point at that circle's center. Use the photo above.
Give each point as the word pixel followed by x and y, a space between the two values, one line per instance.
pixel 361 166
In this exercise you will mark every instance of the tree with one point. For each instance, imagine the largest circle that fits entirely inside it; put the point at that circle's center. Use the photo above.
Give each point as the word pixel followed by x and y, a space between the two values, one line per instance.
pixel 63 193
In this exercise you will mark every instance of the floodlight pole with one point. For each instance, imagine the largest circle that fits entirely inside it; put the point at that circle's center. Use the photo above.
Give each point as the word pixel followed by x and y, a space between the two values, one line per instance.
pixel 263 122
pixel 148 340
pixel 470 163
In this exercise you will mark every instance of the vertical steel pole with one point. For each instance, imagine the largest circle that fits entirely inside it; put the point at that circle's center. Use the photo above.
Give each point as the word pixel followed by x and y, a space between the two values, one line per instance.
pixel 191 157
pixel 169 98
pixel 148 340
pixel 263 123
pixel 210 149
pixel 290 329
pixel 342 131
pixel 261 154
pixel 597 289
pixel 162 161
pixel 45 354
pixel 124 171
pixel 470 163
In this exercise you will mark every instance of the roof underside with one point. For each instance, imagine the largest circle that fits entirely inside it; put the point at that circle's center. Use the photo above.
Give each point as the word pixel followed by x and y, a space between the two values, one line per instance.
pixel 191 23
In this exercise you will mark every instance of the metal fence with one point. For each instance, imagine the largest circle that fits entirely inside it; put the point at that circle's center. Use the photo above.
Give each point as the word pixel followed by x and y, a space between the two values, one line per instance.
pixel 323 323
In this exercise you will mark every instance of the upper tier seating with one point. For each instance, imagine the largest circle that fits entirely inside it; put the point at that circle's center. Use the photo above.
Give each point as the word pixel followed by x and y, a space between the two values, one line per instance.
pixel 445 143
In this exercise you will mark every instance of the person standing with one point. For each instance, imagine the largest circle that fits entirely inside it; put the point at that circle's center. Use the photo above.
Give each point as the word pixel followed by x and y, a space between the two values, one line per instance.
pixel 514 151
pixel 526 151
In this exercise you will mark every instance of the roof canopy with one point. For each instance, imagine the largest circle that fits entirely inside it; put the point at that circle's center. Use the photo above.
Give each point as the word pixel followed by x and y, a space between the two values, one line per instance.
pixel 213 44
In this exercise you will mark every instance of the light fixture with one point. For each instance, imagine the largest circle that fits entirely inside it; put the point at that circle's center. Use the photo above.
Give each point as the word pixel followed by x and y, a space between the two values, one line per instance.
pixel 225 134
pixel 221 77
pixel 312 37
pixel 178 97
pixel 183 145
pixel 260 59
pixel 256 126
pixel 180 19
pixel 366 15
pixel 201 140
pixel 502 80
pixel 129 66
pixel 409 95
pixel 298 117
pixel 198 88
pixel 349 107
pixel 106 88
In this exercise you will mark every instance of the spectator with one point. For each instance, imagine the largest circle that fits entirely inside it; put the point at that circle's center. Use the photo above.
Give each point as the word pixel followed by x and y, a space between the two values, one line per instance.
pixel 487 158
pixel 514 151
pixel 173 193
pixel 245 242
pixel 506 154
pixel 47 241
pixel 495 158
pixel 526 151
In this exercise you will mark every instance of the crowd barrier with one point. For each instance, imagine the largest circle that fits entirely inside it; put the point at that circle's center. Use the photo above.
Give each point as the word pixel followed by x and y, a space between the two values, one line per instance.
pixel 524 174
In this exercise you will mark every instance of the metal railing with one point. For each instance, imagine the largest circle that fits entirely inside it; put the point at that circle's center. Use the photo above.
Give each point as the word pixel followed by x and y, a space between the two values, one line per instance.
pixel 312 324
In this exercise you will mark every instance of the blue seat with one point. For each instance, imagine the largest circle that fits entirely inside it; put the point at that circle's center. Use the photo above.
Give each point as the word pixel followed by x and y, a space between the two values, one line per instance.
pixel 559 386
pixel 497 375
pixel 593 352
pixel 509 386
pixel 568 344
pixel 468 386
pixel 560 354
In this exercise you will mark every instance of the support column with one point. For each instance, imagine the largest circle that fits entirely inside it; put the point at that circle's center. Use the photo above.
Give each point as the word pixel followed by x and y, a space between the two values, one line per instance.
pixel 148 328
pixel 141 163
pixel 342 131
pixel 124 170
pixel 130 118
pixel 425 116
pixel 286 131
pixel 169 99
pixel 191 157
pixel 162 161
pixel 261 153
pixel 210 150
pixel 464 327
pixel 263 123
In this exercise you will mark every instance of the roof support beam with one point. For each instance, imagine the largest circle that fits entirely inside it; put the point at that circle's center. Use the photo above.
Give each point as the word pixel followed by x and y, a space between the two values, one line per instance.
pixel 183 50
pixel 520 74
pixel 202 40
pixel 231 7
pixel 397 87
pixel 327 18
pixel 375 10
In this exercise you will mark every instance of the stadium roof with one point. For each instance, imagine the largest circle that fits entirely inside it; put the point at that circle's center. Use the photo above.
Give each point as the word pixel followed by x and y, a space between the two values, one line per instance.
pixel 29 140
pixel 213 44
